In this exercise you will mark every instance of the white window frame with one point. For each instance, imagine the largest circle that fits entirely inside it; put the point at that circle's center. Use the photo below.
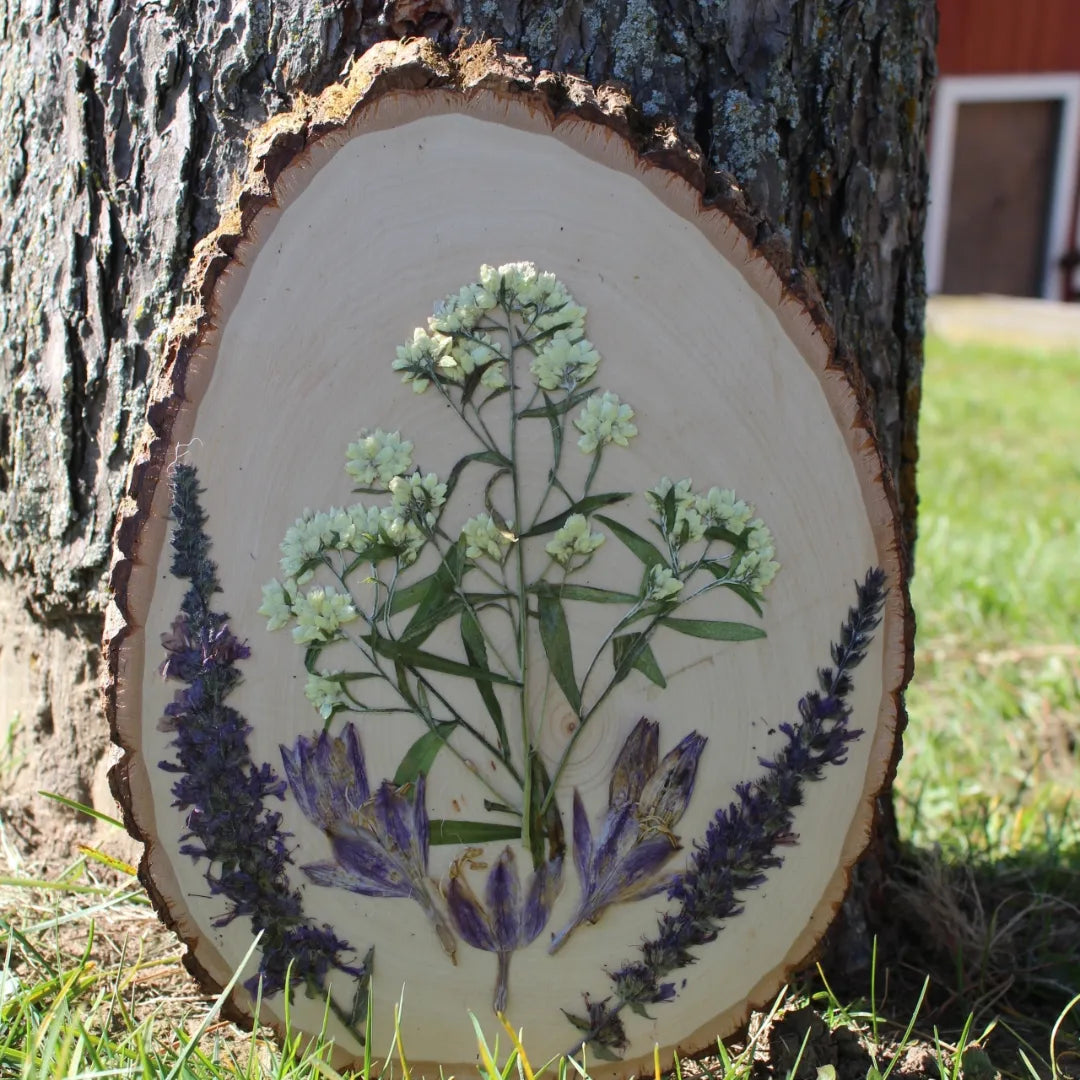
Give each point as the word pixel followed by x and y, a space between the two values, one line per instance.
pixel 954 91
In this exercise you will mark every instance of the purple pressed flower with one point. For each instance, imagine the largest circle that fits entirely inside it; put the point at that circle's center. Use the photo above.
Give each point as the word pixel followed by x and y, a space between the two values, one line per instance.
pixel 380 841
pixel 507 922
pixel 646 800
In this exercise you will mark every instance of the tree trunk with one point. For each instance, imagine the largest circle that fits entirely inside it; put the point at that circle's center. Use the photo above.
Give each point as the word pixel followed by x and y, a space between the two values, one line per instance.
pixel 126 127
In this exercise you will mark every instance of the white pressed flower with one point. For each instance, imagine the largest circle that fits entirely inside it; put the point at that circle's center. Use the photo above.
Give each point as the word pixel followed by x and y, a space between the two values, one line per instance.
pixel 725 509
pixel 378 456
pixel 495 377
pixel 325 693
pixel 574 538
pixel 403 535
pixel 757 569
pixel 320 613
pixel 565 364
pixel 275 605
pixel 418 359
pixel 416 497
pixel 663 584
pixel 656 496
pixel 604 419
pixel 303 541
pixel 461 311
pixel 484 537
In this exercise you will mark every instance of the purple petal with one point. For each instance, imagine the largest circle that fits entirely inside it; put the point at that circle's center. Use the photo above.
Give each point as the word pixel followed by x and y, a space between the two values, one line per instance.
pixel 355 759
pixel 583 852
pixel 666 796
pixel 467 915
pixel 543 889
pixel 371 865
pixel 298 773
pixel 619 831
pixel 333 875
pixel 635 763
pixel 504 900
pixel 392 817
pixel 641 863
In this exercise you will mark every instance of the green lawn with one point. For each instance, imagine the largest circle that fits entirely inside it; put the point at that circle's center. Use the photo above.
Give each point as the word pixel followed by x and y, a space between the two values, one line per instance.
pixel 992 765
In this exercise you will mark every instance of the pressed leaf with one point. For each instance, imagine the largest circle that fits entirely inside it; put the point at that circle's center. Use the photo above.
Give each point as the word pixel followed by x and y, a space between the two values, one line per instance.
pixel 555 408
pixel 446 831
pixel 441 601
pixel 421 755
pixel 555 636
pixel 487 457
pixel 641 547
pixel 411 595
pixel 590 593
pixel 472 637
pixel 632 652
pixel 714 629
pixel 583 506
pixel 411 657
pixel 718 532
pixel 743 592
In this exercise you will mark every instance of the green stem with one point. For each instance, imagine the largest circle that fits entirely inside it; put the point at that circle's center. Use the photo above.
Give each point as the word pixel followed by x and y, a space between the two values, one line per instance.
pixel 519 557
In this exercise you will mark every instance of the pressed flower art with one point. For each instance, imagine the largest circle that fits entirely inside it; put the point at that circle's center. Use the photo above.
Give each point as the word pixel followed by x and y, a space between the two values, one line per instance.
pixel 405 609
pixel 469 609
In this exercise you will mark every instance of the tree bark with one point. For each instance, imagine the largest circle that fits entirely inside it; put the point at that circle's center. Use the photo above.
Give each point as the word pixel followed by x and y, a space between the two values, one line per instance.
pixel 125 129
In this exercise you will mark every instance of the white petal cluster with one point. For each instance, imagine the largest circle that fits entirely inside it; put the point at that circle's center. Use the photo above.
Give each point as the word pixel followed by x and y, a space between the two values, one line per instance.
pixel 484 538
pixel 416 497
pixel 663 584
pixel 724 509
pixel 320 613
pixel 377 457
pixel 574 538
pixel 461 311
pixel 325 693
pixel 277 603
pixel 564 364
pixel 420 360
pixel 604 419
pixel 757 566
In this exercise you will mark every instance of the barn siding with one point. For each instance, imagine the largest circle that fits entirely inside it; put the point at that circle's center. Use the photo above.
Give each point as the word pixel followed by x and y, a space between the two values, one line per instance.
pixel 1000 37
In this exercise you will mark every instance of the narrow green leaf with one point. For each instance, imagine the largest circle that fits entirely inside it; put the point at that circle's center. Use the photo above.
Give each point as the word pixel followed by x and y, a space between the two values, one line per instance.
pixel 555 636
pixel 744 592
pixel 632 652
pixel 441 601
pixel 641 547
pixel 714 629
pixel 555 408
pixel 421 755
pixel 718 532
pixel 418 658
pixel 472 637
pixel 590 593
pixel 446 831
pixel 582 506
pixel 487 457
pixel 411 595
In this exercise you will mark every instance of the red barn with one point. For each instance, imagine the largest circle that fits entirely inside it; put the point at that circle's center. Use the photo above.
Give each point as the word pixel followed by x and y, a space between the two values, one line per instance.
pixel 1005 150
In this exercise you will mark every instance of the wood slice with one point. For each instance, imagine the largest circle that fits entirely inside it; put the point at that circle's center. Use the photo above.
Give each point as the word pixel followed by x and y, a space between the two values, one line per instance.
pixel 591 734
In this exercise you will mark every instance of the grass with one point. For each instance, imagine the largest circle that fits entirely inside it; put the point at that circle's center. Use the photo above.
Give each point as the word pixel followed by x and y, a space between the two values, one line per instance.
pixel 979 962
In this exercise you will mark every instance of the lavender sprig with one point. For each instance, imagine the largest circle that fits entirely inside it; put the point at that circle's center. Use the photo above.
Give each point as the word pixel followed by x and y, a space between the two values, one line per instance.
pixel 740 844
pixel 223 790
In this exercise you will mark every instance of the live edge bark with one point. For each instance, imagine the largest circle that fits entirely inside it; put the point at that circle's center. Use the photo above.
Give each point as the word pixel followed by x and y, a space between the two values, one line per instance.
pixel 124 130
